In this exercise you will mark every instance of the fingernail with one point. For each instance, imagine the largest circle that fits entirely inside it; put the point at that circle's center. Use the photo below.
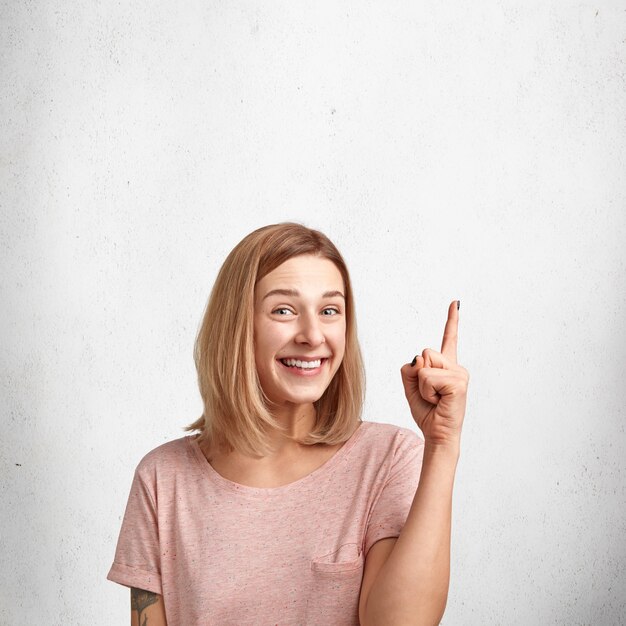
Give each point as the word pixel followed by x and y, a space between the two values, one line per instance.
pixel 414 361
pixel 458 305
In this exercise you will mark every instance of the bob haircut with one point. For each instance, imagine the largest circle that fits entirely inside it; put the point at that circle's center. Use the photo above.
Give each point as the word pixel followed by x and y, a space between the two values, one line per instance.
pixel 236 414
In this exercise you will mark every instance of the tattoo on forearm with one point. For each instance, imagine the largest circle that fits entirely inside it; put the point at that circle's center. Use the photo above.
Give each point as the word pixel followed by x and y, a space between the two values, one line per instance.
pixel 140 600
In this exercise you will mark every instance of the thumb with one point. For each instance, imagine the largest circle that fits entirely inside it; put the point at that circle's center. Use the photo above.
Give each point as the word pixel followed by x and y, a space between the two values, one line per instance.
pixel 410 381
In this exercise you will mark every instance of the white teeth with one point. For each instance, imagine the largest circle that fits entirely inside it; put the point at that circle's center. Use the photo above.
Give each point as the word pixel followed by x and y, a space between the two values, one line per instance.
pixel 305 365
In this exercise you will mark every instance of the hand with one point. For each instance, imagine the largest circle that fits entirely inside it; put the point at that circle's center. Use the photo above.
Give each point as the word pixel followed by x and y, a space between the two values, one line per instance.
pixel 436 388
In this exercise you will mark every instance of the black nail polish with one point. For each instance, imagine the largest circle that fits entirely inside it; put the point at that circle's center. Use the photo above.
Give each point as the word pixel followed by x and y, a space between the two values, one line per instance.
pixel 413 361
pixel 458 305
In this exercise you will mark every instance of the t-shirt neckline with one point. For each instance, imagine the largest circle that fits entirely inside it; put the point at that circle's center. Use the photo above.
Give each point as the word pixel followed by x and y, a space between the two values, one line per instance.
pixel 232 486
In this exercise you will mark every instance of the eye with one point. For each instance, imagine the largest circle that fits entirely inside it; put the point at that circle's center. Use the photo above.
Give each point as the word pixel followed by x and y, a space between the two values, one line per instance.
pixel 326 309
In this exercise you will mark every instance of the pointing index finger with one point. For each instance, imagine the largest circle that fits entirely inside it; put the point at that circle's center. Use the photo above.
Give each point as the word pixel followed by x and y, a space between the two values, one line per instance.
pixel 451 333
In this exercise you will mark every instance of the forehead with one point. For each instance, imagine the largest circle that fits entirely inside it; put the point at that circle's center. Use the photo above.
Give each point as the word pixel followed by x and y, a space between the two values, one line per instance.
pixel 304 272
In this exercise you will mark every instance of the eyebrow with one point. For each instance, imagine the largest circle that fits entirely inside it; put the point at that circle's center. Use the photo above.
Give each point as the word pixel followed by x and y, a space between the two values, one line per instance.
pixel 295 292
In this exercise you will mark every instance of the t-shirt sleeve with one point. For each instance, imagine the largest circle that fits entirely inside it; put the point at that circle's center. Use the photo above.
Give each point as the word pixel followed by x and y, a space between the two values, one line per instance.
pixel 137 555
pixel 392 507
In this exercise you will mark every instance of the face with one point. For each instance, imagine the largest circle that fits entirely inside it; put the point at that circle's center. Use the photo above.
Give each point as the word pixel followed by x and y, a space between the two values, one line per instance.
pixel 306 325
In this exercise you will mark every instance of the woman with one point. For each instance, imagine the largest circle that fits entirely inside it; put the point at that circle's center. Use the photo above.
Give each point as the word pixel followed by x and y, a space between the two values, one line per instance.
pixel 286 507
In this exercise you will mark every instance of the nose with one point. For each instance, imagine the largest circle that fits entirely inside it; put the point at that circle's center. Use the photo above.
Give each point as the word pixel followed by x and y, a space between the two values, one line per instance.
pixel 310 331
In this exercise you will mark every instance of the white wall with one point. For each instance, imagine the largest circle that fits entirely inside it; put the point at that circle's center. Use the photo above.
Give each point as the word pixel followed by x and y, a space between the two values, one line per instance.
pixel 451 150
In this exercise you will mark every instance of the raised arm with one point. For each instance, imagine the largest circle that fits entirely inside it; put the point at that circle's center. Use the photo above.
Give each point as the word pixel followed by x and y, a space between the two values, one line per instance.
pixel 411 587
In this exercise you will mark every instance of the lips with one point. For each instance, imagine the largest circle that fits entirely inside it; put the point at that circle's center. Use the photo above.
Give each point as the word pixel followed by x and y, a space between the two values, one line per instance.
pixel 303 373
pixel 288 358
pixel 304 358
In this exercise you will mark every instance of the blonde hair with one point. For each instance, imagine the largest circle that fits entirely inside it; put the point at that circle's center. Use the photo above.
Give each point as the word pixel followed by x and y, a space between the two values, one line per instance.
pixel 236 415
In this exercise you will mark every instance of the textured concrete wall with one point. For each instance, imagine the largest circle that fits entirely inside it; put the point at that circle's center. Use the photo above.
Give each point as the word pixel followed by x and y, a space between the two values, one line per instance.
pixel 471 150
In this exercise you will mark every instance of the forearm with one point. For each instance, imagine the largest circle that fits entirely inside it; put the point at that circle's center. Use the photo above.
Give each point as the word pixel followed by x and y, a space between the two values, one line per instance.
pixel 411 588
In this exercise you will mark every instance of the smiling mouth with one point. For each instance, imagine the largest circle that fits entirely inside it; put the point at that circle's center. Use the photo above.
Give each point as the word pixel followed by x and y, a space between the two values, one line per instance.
pixel 304 369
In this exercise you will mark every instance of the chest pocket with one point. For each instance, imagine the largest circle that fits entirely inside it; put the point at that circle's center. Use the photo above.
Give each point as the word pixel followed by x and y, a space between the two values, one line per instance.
pixel 335 587
pixel 347 558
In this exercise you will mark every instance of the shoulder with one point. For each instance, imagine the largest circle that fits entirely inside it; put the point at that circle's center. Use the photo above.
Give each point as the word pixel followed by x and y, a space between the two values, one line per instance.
pixel 164 458
pixel 392 437
pixel 392 447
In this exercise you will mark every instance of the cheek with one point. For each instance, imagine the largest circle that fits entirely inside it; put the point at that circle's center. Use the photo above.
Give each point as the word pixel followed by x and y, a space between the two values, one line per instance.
pixel 338 339
pixel 264 355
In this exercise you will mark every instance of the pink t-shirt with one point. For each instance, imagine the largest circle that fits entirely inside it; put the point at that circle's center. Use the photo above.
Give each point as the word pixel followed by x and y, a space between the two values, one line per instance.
pixel 224 554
